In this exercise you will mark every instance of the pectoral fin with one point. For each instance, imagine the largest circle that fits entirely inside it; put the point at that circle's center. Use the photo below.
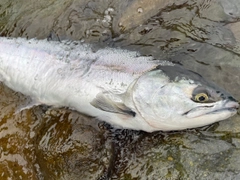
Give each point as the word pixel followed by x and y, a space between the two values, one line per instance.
pixel 106 104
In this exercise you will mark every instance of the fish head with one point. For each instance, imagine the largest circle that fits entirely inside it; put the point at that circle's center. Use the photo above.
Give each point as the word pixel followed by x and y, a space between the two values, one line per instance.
pixel 174 98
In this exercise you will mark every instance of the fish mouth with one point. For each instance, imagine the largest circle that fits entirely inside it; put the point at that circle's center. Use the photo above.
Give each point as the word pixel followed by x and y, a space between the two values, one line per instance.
pixel 229 105
pixel 223 109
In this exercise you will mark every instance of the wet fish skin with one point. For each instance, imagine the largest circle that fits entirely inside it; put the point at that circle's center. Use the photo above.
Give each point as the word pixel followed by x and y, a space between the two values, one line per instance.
pixel 114 85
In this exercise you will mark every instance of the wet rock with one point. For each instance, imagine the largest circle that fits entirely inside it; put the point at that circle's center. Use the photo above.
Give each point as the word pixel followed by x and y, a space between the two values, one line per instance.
pixel 26 17
pixel 235 29
pixel 136 13
pixel 71 146
pixel 231 8
pixel 17 159
pixel 62 144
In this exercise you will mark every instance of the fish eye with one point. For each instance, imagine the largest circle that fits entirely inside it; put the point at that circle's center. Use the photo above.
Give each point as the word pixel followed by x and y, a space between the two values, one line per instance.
pixel 201 97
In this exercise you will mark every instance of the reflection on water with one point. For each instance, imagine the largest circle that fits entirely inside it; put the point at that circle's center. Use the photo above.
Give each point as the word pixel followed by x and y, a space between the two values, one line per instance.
pixel 44 143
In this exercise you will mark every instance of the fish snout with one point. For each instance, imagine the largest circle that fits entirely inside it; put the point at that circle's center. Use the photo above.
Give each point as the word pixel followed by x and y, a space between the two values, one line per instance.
pixel 232 103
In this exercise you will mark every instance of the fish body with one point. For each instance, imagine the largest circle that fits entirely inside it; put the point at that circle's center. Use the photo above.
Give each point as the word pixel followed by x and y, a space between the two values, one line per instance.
pixel 117 86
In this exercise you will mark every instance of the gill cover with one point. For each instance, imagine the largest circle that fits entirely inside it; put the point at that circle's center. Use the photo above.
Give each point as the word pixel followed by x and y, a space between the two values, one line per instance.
pixel 147 100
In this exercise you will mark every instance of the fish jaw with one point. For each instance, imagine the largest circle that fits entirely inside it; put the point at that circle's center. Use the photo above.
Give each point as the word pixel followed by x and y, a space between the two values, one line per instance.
pixel 184 122
pixel 198 117
pixel 222 107
pixel 202 116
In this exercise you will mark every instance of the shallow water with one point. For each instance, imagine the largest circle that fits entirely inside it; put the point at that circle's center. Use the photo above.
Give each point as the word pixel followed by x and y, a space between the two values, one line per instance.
pixel 43 143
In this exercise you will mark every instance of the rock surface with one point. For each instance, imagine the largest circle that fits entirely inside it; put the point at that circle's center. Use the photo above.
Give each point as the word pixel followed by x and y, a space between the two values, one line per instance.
pixel 43 143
